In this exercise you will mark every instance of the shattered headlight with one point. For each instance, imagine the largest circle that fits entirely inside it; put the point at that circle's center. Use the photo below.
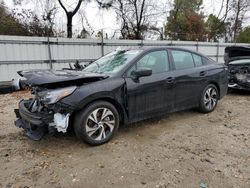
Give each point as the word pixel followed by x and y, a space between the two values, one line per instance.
pixel 53 96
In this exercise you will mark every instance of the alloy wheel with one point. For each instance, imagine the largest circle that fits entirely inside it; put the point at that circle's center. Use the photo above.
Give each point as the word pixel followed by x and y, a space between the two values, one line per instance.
pixel 210 98
pixel 100 124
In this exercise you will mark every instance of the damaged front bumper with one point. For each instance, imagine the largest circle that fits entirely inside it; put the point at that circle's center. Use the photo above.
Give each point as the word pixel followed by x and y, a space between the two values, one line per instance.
pixel 37 124
pixel 239 85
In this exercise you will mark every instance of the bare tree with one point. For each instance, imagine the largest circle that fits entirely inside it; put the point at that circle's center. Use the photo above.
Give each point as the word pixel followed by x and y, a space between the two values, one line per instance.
pixel 40 18
pixel 224 6
pixel 160 31
pixel 135 16
pixel 70 15
pixel 239 9
pixel 49 15
pixel 86 30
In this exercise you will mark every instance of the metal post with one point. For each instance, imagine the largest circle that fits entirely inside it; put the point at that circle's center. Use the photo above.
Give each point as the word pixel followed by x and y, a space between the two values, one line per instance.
pixel 197 46
pixel 102 44
pixel 162 33
pixel 49 52
pixel 141 43
pixel 217 52
pixel 172 39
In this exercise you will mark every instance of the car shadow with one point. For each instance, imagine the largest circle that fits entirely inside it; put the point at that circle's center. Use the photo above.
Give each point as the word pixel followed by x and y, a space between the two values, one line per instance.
pixel 239 92
pixel 68 140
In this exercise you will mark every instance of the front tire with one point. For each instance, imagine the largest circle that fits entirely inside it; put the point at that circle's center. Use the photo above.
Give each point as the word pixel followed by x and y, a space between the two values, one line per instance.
pixel 209 99
pixel 97 123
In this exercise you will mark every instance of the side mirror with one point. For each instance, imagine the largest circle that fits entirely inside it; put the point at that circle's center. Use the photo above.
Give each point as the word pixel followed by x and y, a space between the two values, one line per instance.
pixel 141 73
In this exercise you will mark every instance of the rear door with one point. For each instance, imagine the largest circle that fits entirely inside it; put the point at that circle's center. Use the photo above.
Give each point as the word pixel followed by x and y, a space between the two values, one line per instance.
pixel 189 75
pixel 152 95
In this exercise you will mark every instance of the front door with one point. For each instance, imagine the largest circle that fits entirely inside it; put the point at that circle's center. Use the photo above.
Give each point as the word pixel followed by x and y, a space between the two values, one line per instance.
pixel 152 95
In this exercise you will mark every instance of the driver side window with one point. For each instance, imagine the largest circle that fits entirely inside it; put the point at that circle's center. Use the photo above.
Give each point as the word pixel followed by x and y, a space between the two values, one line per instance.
pixel 157 61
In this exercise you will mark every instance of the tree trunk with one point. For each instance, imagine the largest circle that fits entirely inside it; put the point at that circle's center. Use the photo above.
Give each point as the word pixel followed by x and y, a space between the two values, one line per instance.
pixel 236 23
pixel 70 15
pixel 137 35
pixel 69 25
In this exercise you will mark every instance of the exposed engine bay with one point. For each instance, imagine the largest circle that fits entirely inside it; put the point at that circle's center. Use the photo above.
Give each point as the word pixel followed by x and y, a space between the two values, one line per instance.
pixel 237 58
pixel 239 75
pixel 45 112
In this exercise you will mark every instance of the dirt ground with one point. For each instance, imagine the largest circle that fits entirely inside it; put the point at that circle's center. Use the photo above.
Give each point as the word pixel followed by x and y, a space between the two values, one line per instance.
pixel 185 149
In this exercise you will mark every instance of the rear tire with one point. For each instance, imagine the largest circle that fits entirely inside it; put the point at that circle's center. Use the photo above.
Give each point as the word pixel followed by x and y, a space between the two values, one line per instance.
pixel 209 99
pixel 97 123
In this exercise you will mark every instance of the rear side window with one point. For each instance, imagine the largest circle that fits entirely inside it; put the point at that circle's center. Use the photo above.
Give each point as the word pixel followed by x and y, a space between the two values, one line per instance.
pixel 197 60
pixel 182 59
pixel 207 61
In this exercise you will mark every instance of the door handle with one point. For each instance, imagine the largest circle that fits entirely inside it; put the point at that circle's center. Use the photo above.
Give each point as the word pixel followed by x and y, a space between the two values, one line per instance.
pixel 170 80
pixel 203 73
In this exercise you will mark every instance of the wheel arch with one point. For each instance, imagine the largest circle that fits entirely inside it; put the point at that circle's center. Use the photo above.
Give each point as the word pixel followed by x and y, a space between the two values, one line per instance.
pixel 217 86
pixel 114 102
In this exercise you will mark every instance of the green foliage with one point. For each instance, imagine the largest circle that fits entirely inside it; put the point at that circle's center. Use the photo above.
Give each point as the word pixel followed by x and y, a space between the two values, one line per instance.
pixel 24 23
pixel 84 34
pixel 196 27
pixel 36 28
pixel 187 6
pixel 239 10
pixel 215 28
pixel 244 36
pixel 185 22
pixel 99 34
pixel 9 25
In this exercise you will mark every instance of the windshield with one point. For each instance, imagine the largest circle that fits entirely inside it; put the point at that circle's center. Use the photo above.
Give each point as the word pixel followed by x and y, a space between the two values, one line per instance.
pixel 112 62
pixel 240 61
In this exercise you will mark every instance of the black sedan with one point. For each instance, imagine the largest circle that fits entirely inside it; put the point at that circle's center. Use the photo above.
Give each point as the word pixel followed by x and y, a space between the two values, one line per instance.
pixel 124 86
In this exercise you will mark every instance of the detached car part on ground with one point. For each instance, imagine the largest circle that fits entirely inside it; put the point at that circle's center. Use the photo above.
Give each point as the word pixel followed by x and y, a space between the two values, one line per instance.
pixel 120 88
pixel 237 59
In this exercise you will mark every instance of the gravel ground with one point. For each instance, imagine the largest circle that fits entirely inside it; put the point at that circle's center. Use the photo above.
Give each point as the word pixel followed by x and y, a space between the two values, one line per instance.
pixel 184 149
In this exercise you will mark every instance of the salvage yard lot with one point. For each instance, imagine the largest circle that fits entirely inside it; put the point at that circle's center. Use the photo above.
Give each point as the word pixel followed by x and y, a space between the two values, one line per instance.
pixel 181 149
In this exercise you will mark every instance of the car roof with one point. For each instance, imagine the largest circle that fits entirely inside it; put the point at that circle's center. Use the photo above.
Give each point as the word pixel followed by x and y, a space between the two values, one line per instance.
pixel 149 48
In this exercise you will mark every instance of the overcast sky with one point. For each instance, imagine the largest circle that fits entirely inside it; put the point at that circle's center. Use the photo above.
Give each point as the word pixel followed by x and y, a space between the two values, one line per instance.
pixel 102 19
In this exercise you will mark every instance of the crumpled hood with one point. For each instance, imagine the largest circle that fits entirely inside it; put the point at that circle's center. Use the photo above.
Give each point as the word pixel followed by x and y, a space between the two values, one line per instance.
pixel 46 77
pixel 235 53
